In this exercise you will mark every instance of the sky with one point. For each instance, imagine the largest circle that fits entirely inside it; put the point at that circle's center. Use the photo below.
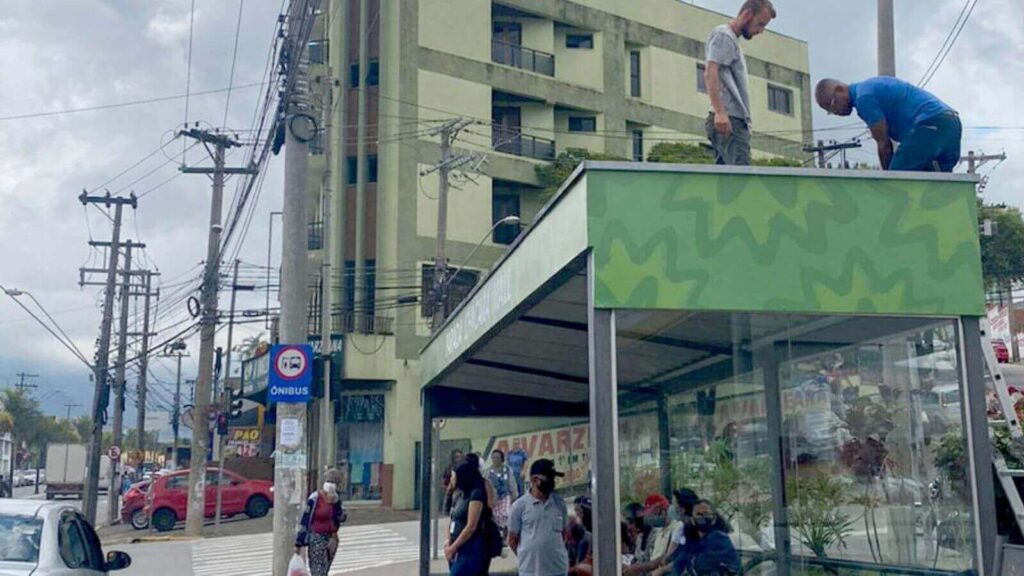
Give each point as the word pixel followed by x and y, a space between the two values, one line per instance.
pixel 61 54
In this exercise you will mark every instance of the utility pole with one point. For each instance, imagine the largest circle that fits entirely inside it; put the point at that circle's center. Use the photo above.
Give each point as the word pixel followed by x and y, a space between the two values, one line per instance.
pixel 975 161
pixel 291 462
pixel 208 323
pixel 176 350
pixel 326 415
pixel 101 395
pixel 448 131
pixel 22 384
pixel 67 418
pixel 113 502
pixel 886 39
pixel 224 396
pixel 144 369
pixel 822 148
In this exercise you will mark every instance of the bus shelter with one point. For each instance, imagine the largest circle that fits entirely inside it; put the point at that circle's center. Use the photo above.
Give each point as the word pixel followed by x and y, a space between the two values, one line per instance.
pixel 799 347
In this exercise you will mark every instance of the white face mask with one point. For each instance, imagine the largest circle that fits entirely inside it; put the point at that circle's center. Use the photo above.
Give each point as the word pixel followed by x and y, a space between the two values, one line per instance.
pixel 330 487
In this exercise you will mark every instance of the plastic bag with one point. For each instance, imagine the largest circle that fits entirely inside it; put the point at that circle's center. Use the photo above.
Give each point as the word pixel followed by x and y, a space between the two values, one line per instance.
pixel 297 566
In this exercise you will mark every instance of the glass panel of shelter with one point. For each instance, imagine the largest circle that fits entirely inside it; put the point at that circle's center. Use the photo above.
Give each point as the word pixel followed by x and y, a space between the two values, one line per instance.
pixel 836 412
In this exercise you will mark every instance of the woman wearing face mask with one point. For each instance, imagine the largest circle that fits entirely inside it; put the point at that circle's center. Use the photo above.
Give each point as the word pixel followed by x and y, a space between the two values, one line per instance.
pixel 659 540
pixel 466 546
pixel 681 514
pixel 710 551
pixel 318 529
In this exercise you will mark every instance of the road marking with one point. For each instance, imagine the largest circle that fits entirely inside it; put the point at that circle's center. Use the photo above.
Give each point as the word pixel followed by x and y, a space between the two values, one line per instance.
pixel 359 548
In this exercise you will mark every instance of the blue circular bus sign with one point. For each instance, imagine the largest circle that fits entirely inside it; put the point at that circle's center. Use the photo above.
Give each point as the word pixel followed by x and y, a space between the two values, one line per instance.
pixel 291 374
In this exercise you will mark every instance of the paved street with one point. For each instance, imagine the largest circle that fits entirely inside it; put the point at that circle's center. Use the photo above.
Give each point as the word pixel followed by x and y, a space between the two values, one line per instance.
pixel 364 550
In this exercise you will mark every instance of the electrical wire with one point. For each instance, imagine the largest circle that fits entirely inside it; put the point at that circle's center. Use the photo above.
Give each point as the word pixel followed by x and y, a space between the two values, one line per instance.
pixel 234 59
pixel 188 73
pixel 929 74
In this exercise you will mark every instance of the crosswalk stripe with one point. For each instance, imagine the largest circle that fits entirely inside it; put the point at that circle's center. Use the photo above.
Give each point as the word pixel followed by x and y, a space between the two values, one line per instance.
pixel 359 548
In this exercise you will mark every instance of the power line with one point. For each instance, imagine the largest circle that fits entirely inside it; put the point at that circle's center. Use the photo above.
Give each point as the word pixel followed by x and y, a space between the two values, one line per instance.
pixel 123 104
pixel 188 73
pixel 234 58
pixel 952 43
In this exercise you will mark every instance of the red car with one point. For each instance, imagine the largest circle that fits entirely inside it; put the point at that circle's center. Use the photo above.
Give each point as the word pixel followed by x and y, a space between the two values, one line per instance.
pixel 167 499
pixel 1002 352
pixel 133 505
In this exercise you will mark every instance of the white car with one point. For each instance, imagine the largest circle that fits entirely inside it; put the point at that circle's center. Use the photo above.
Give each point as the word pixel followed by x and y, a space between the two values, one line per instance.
pixel 51 539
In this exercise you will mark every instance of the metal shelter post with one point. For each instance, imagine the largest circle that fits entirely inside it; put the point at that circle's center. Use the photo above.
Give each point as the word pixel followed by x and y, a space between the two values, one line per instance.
pixel 426 481
pixel 978 447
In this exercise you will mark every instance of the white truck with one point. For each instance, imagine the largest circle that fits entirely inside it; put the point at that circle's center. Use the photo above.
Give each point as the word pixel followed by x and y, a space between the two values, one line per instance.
pixel 66 466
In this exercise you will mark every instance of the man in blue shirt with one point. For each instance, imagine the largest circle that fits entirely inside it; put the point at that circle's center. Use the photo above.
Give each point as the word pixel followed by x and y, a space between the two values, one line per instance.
pixel 927 129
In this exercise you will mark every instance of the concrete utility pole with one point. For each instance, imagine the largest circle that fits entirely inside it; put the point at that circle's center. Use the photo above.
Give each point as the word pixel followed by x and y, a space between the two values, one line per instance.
pixel 361 298
pixel 822 148
pixel 886 39
pixel 291 463
pixel 169 352
pixel 326 415
pixel 101 395
pixel 208 323
pixel 224 395
pixel 448 131
pixel 113 492
pixel 975 161
pixel 140 423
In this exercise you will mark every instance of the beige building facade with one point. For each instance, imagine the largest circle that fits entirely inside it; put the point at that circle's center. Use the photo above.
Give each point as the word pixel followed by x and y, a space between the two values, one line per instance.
pixel 536 78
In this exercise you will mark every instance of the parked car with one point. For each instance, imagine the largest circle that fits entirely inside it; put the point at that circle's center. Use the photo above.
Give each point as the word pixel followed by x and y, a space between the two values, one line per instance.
pixel 133 506
pixel 51 539
pixel 942 409
pixel 167 498
pixel 1002 352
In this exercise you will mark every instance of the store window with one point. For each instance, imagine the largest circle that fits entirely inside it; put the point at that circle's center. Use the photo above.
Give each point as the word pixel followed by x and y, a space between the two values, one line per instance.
pixel 858 420
pixel 360 428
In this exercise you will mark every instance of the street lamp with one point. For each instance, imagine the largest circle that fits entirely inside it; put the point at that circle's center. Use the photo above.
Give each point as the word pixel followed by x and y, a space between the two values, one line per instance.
pixel 447 278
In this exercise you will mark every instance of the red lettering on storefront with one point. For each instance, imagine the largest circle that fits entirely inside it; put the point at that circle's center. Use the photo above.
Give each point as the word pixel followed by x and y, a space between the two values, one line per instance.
pixel 564 438
pixel 547 446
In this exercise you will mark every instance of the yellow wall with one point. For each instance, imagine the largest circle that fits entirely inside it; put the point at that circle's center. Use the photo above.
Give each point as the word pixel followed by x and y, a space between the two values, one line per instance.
pixel 473 39
pixel 781 125
pixel 694 22
pixel 579 65
pixel 565 139
pixel 469 208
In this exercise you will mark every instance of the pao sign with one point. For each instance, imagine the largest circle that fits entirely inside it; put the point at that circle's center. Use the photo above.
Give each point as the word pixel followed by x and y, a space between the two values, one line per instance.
pixel 291 374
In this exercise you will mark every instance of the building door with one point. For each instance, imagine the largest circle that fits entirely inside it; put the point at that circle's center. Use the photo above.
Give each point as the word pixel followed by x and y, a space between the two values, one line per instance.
pixel 506 47
pixel 508 123
pixel 361 445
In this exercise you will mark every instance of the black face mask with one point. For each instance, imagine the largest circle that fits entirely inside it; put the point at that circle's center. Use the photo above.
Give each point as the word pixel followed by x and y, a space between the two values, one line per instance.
pixel 704 523
pixel 546 486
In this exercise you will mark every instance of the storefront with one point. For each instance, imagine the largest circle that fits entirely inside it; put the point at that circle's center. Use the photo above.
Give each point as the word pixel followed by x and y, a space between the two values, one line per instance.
pixel 799 347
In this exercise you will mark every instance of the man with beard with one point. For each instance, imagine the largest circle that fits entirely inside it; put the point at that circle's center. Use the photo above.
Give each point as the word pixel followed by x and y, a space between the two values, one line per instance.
pixel 725 75
pixel 537 525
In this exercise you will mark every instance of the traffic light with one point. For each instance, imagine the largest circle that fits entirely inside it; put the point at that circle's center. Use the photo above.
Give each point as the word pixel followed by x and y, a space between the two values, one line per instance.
pixel 235 403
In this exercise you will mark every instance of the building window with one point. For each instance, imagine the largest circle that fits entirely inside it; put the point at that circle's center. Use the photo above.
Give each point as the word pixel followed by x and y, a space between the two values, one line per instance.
pixel 634 73
pixel 351 165
pixel 582 124
pixel 458 286
pixel 579 41
pixel 373 78
pixel 318 51
pixel 702 87
pixel 503 205
pixel 638 145
pixel 780 100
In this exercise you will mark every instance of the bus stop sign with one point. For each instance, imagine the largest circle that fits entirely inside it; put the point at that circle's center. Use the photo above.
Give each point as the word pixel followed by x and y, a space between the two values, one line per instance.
pixel 291 374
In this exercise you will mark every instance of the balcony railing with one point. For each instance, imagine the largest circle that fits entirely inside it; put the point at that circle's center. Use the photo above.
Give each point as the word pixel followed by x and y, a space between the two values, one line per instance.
pixel 512 142
pixel 352 323
pixel 521 57
pixel 315 240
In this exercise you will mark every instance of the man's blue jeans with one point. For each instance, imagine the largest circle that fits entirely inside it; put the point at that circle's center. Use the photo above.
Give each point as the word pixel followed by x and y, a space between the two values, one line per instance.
pixel 932 146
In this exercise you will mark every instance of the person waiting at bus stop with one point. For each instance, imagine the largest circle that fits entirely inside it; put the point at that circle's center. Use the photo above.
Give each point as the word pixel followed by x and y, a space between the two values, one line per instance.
pixel 710 551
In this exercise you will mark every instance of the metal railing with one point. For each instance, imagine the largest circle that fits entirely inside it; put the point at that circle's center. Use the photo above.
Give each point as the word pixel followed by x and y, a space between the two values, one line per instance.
pixel 512 142
pixel 523 58
pixel 352 323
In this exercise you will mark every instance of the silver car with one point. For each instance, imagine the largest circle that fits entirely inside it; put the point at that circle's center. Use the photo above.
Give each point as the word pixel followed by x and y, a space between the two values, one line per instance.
pixel 51 539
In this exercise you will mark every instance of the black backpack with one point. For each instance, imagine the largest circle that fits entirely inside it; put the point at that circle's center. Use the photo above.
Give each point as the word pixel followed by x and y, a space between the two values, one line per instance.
pixel 493 542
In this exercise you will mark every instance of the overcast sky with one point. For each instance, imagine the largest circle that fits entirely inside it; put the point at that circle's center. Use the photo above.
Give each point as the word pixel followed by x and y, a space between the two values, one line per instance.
pixel 59 54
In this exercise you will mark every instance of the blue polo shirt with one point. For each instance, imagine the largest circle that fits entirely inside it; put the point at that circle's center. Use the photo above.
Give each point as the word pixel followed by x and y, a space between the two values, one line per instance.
pixel 900 104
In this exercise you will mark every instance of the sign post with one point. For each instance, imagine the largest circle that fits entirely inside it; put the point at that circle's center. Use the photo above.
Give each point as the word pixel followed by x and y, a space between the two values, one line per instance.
pixel 290 382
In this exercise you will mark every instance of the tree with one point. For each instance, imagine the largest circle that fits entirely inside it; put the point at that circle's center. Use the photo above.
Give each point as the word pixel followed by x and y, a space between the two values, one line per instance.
pixel 553 174
pixel 251 346
pixel 1002 254
pixel 83 427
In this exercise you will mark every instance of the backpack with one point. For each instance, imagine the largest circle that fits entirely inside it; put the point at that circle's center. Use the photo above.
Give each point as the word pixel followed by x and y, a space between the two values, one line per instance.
pixel 493 542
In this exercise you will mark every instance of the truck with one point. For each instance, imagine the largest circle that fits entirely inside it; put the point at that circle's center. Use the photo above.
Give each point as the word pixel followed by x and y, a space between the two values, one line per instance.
pixel 66 469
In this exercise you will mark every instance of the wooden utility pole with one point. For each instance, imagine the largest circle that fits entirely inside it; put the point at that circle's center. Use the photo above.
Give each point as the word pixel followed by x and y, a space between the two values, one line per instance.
pixel 822 148
pixel 208 324
pixel 101 395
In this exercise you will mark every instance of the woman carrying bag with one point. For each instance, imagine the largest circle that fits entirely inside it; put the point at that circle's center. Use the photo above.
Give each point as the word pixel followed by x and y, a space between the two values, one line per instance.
pixel 473 537
pixel 318 529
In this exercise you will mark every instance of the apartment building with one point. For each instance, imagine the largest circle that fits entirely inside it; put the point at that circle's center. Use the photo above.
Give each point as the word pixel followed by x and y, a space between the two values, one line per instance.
pixel 536 77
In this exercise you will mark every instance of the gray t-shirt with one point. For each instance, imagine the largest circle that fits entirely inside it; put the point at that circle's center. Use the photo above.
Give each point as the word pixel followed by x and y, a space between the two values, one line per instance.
pixel 541 527
pixel 723 48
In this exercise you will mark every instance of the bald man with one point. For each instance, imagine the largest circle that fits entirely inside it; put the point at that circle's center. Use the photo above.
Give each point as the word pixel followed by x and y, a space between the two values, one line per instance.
pixel 927 129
